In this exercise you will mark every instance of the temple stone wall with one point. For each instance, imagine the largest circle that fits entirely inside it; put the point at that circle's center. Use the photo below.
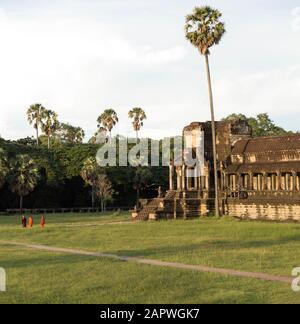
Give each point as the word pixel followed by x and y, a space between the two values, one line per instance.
pixel 274 211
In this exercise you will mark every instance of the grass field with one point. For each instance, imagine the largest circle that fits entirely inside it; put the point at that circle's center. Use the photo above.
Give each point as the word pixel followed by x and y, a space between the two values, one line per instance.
pixel 43 277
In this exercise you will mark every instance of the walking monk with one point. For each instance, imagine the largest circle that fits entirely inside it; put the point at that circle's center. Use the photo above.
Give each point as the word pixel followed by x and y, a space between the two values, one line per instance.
pixel 43 221
pixel 24 221
pixel 30 221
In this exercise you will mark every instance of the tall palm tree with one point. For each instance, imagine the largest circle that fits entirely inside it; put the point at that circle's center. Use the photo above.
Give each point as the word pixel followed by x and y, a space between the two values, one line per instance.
pixel 3 168
pixel 204 30
pixel 49 124
pixel 35 114
pixel 138 116
pixel 23 177
pixel 108 119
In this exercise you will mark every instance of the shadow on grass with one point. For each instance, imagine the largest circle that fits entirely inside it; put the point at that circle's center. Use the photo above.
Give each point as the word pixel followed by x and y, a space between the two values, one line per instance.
pixel 42 259
pixel 209 245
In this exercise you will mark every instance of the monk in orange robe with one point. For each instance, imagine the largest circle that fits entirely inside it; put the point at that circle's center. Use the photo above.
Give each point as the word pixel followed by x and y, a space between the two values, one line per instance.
pixel 43 221
pixel 30 221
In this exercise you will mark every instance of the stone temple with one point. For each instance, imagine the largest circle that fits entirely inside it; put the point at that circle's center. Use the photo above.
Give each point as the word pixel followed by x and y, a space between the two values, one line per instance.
pixel 258 178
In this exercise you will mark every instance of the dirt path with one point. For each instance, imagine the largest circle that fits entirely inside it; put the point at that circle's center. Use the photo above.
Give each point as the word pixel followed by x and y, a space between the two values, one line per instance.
pixel 97 224
pixel 227 272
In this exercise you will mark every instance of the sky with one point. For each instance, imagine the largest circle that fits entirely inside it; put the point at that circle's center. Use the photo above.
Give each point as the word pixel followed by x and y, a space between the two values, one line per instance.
pixel 79 57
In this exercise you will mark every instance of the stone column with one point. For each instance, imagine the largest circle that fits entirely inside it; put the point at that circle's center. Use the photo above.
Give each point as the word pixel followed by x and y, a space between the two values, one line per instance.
pixel 207 182
pixel 294 181
pixel 259 182
pixel 234 184
pixel 171 177
pixel 200 187
pixel 251 181
pixel 196 182
pixel 264 182
pixel 179 181
pixel 288 182
pixel 274 182
pixel 183 177
pixel 278 182
pixel 189 179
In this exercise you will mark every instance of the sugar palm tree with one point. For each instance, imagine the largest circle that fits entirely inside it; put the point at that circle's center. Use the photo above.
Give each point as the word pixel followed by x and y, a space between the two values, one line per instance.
pixel 138 116
pixel 35 114
pixel 23 177
pixel 108 119
pixel 49 124
pixel 3 168
pixel 204 30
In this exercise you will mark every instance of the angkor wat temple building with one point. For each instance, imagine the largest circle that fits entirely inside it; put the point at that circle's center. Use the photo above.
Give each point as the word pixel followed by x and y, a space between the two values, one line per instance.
pixel 259 178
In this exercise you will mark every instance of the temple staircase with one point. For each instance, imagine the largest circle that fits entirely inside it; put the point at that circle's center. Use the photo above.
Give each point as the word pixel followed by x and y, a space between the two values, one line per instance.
pixel 150 208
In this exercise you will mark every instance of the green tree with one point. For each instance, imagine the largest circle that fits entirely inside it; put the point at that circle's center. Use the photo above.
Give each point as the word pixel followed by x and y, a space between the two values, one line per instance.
pixel 236 117
pixel 71 134
pixel 49 124
pixel 35 115
pixel 262 124
pixel 204 30
pixel 3 167
pixel 108 119
pixel 141 180
pixel 104 190
pixel 28 141
pixel 89 173
pixel 138 116
pixel 23 177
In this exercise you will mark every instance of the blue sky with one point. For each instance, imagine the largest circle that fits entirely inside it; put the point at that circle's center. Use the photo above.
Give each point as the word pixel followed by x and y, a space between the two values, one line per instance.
pixel 80 57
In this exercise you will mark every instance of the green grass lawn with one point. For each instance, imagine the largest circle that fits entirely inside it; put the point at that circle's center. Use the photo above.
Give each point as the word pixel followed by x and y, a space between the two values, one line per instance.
pixel 35 276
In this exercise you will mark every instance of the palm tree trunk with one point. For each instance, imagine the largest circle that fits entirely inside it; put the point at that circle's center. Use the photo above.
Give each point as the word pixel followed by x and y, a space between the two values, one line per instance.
pixel 21 204
pixel 138 198
pixel 102 205
pixel 48 142
pixel 213 128
pixel 137 135
pixel 93 196
pixel 37 136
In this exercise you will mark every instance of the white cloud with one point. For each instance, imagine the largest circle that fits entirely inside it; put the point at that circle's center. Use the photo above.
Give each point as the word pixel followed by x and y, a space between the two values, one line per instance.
pixel 79 57
pixel 66 63
pixel 296 19
pixel 276 92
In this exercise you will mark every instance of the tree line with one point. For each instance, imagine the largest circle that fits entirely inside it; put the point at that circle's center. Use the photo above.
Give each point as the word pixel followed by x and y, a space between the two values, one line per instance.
pixel 68 176
pixel 47 121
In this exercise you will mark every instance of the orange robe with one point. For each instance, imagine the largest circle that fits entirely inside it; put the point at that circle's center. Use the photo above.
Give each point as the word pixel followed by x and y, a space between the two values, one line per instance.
pixel 43 222
pixel 30 221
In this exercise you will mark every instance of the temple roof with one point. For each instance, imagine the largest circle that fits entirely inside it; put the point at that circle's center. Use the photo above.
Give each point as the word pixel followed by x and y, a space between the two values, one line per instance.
pixel 267 144
pixel 264 167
